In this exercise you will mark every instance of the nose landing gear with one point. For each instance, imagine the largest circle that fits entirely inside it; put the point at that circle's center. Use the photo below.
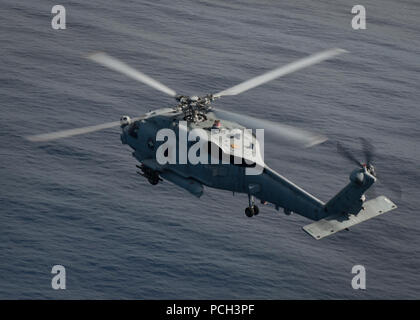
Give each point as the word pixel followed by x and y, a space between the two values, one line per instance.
pixel 252 210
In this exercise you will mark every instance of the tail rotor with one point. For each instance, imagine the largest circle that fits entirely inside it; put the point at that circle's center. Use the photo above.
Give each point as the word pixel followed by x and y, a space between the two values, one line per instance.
pixel 369 155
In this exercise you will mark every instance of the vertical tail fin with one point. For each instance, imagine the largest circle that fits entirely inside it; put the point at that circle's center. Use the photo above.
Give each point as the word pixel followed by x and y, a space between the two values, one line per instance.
pixel 350 199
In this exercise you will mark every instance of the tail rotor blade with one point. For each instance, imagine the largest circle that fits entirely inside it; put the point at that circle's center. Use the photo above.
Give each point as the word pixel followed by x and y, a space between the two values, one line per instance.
pixel 121 67
pixel 368 150
pixel 346 153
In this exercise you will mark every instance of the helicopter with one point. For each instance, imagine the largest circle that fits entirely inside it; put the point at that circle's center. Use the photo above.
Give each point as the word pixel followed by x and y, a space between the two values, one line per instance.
pixel 226 164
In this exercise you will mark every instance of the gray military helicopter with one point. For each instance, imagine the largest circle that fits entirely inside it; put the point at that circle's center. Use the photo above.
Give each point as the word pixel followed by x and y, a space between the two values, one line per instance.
pixel 349 207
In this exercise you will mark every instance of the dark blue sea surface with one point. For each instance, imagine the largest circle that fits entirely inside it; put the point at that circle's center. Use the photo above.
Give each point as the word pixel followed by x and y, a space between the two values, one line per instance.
pixel 78 202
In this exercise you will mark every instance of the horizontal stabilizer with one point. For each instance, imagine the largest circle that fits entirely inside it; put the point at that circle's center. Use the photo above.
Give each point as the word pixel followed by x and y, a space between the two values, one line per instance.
pixel 338 222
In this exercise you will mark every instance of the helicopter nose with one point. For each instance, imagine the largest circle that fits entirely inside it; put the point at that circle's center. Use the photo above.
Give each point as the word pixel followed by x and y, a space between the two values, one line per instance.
pixel 123 136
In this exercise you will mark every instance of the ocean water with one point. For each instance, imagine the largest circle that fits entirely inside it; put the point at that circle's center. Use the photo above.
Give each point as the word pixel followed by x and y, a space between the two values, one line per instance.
pixel 78 202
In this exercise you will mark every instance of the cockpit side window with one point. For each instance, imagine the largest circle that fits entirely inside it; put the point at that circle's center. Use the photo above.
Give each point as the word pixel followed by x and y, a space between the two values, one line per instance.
pixel 133 129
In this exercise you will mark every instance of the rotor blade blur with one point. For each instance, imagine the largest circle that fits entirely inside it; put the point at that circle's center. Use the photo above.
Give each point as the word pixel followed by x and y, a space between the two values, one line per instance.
pixel 285 132
pixel 121 67
pixel 343 151
pixel 279 72
pixel 368 150
pixel 74 132
pixel 71 132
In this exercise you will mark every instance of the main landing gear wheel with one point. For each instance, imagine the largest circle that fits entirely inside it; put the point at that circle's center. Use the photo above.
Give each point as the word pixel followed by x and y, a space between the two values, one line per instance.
pixel 252 211
pixel 256 210
pixel 249 212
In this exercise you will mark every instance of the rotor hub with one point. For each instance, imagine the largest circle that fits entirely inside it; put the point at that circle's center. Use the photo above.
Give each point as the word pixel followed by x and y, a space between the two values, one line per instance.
pixel 194 108
pixel 371 169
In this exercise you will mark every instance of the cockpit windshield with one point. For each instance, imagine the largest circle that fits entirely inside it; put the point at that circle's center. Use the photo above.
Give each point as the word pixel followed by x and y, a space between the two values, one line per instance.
pixel 133 129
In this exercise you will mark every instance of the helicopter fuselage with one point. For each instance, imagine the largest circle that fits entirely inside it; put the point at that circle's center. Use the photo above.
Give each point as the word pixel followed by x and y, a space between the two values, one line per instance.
pixel 268 186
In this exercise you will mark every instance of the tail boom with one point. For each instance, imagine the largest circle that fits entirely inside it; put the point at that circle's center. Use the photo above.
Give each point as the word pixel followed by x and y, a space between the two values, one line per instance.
pixel 347 208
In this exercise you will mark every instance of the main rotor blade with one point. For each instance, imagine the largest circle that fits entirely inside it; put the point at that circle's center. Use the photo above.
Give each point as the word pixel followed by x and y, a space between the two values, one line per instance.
pixel 279 72
pixel 71 132
pixel 285 132
pixel 74 132
pixel 119 66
